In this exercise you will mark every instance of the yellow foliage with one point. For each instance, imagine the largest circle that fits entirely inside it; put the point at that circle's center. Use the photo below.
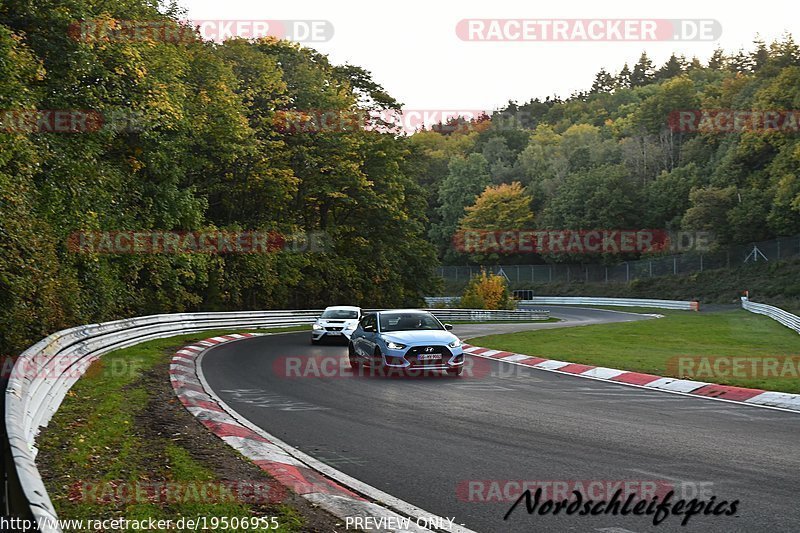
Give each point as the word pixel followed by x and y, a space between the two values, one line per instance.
pixel 486 291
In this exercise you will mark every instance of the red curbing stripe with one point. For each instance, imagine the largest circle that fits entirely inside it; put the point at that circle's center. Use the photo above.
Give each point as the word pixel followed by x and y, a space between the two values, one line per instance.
pixel 727 392
pixel 211 406
pixel 213 341
pixel 635 378
pixel 479 351
pixel 221 429
pixel 176 372
pixel 575 368
pixel 303 480
pixel 530 361
pixel 500 355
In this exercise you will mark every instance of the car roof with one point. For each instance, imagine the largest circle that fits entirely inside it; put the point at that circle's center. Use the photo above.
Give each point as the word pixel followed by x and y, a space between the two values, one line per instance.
pixel 418 311
pixel 343 308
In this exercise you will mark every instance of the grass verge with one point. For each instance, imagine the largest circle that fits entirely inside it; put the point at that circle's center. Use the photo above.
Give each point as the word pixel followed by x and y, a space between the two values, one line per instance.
pixel 653 346
pixel 121 430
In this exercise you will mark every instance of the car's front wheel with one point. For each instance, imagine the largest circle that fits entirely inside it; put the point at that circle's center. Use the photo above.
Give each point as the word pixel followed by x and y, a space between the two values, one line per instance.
pixel 351 354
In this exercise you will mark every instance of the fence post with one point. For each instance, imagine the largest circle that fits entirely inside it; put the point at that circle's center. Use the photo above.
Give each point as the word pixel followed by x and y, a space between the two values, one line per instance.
pixel 606 274
pixel 778 242
pixel 551 273
pixel 674 264
pixel 627 272
pixel 701 262
pixel 651 268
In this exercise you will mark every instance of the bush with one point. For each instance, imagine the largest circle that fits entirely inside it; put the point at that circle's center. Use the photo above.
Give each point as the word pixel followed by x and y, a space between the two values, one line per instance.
pixel 487 291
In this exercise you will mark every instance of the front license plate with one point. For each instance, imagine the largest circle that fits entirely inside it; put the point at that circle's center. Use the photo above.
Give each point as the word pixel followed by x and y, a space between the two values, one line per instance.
pixel 429 357
pixel 334 333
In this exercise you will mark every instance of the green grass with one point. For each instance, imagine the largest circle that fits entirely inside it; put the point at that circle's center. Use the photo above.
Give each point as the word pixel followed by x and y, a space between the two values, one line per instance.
pixel 647 346
pixel 97 436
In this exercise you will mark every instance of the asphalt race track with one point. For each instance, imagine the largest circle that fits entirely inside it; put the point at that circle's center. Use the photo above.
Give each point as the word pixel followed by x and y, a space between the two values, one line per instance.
pixel 447 443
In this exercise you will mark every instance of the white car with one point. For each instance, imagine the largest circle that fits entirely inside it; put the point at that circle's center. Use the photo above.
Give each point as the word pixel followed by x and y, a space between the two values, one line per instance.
pixel 336 322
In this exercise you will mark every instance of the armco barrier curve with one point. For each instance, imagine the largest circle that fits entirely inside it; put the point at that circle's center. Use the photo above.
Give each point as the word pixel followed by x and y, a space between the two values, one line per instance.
pixel 622 302
pixel 775 313
pixel 44 373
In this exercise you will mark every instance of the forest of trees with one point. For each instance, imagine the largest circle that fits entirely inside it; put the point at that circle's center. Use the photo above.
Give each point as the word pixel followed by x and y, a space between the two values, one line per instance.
pixel 197 147
pixel 608 158
pixel 200 152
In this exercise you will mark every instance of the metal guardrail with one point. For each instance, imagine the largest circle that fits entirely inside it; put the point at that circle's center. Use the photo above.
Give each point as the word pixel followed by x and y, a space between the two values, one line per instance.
pixel 489 315
pixel 581 300
pixel 775 313
pixel 623 302
pixel 44 373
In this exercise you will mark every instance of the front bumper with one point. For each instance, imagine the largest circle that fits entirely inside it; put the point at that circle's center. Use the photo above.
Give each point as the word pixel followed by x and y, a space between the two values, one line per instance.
pixel 415 358
pixel 318 334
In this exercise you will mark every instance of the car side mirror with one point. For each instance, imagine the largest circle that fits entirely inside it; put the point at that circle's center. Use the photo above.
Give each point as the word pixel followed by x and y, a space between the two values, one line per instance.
pixel 448 327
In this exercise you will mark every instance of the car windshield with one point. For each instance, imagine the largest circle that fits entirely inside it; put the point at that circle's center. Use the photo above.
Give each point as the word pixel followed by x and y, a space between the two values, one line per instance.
pixel 408 322
pixel 340 313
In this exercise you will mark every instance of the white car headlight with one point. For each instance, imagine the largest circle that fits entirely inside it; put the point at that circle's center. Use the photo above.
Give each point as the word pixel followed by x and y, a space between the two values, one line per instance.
pixel 394 345
pixel 317 327
pixel 455 344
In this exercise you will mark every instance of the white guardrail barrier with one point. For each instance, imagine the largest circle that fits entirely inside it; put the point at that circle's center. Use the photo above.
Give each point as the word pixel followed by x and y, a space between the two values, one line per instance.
pixel 775 313
pixel 623 302
pixel 583 300
pixel 44 373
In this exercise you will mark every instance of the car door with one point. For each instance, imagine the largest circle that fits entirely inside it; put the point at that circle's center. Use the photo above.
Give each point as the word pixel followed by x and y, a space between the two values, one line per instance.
pixel 367 335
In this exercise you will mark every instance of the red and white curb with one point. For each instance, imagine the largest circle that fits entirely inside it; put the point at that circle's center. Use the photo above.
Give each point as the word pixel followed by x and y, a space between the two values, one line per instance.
pixel 336 492
pixel 755 397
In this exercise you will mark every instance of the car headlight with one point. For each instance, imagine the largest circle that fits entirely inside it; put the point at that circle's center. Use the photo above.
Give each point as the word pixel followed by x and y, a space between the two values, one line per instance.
pixel 317 327
pixel 395 345
pixel 455 344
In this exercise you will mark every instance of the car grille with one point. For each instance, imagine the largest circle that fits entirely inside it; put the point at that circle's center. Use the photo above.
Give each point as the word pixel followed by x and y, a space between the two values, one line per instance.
pixel 412 355
pixel 333 329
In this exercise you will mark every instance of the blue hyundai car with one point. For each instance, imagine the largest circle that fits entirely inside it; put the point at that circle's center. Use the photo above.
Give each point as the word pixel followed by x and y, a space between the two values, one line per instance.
pixel 406 339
